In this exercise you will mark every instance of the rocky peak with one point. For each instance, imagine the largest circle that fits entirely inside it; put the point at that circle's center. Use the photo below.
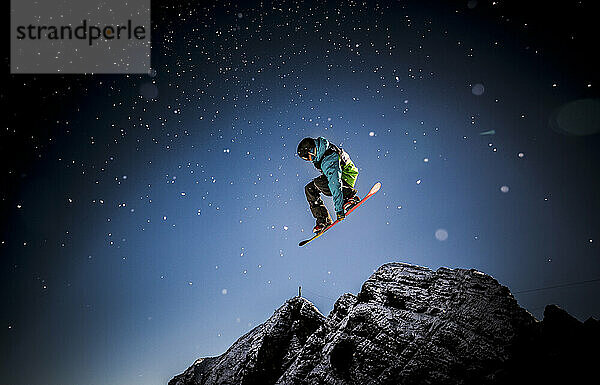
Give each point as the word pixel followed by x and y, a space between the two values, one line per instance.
pixel 408 325
pixel 261 355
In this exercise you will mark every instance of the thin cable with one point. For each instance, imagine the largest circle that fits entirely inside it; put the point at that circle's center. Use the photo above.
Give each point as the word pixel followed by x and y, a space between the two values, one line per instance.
pixel 558 286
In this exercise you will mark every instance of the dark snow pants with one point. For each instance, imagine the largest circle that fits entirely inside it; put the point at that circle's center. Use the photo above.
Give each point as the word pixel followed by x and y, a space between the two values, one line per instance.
pixel 321 185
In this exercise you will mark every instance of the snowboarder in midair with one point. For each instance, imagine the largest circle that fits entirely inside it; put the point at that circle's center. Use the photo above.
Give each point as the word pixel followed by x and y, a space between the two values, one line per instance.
pixel 338 178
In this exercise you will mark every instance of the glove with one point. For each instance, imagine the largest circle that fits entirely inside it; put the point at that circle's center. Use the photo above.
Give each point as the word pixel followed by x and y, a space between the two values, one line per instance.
pixel 340 215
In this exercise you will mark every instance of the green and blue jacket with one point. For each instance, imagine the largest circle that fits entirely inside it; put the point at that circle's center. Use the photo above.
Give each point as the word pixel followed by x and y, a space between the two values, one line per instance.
pixel 336 165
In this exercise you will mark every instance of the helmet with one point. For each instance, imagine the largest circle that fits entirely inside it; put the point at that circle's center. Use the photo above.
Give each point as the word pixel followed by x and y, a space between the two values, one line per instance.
pixel 306 147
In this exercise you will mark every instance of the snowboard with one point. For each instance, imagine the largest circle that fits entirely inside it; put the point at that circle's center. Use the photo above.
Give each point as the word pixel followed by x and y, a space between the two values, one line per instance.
pixel 374 189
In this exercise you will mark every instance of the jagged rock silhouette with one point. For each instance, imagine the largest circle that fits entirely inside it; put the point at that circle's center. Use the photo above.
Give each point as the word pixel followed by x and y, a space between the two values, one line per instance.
pixel 408 325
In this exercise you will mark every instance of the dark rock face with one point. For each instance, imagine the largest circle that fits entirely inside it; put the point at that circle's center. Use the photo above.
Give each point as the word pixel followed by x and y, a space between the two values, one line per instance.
pixel 558 350
pixel 408 325
pixel 262 355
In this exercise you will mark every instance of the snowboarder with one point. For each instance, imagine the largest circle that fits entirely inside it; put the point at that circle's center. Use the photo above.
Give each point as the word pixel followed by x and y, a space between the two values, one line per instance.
pixel 338 178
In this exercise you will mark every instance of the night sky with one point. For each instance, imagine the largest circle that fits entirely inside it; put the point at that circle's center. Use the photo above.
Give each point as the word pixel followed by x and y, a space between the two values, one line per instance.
pixel 149 220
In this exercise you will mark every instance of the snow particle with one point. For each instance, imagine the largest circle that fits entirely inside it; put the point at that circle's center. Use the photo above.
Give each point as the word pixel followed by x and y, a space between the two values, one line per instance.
pixel 521 155
pixel 504 189
pixel 224 291
pixel 478 89
pixel 372 133
pixel 441 234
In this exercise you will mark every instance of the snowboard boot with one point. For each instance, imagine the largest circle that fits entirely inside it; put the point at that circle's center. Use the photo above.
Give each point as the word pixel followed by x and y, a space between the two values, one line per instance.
pixel 321 225
pixel 351 202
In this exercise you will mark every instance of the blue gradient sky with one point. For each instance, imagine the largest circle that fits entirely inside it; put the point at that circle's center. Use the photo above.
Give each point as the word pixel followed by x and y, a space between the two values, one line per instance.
pixel 143 233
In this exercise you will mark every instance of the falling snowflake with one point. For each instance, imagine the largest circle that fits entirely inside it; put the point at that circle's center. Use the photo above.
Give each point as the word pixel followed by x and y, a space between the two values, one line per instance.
pixel 441 234
pixel 478 89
